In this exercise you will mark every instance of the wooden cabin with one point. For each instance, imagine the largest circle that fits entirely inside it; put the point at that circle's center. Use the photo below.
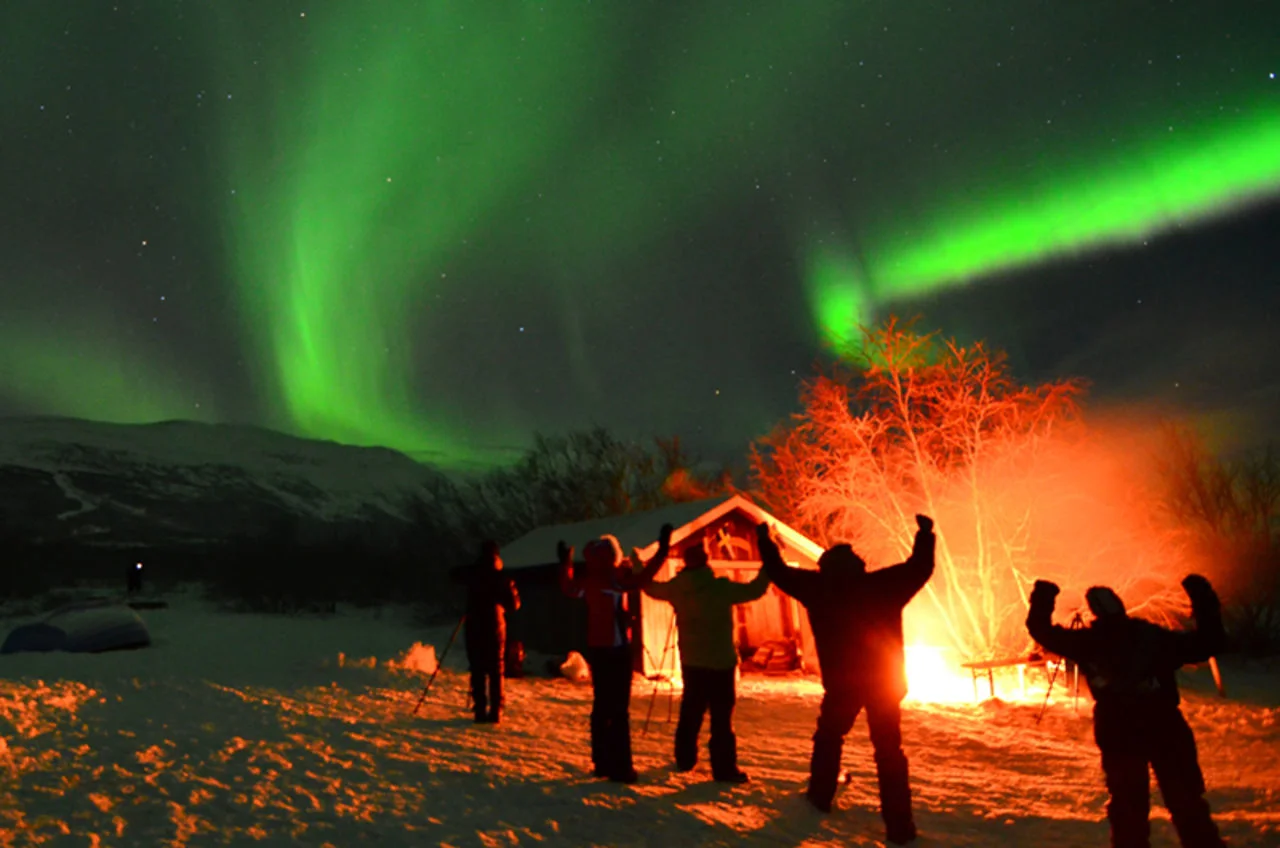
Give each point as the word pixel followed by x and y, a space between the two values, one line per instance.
pixel 551 623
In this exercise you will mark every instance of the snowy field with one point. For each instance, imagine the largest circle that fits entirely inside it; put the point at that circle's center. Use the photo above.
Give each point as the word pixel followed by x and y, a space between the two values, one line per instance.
pixel 243 729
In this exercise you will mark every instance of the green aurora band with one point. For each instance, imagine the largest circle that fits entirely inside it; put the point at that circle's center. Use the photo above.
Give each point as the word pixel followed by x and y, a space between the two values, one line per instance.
pixel 370 174
pixel 386 176
pixel 403 137
pixel 1051 211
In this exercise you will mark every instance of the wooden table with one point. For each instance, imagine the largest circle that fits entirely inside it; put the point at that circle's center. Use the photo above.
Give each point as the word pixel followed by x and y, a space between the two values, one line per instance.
pixel 1022 663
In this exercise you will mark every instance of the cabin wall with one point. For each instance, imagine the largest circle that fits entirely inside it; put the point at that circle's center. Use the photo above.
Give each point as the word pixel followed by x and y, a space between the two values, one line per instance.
pixel 661 640
pixel 548 621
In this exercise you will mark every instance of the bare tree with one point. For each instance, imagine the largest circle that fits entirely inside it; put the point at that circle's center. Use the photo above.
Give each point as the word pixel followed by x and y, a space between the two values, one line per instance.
pixel 1228 513
pixel 585 475
pixel 924 424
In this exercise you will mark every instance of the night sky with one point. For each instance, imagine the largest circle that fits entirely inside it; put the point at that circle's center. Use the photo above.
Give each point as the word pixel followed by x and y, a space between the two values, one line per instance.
pixel 441 226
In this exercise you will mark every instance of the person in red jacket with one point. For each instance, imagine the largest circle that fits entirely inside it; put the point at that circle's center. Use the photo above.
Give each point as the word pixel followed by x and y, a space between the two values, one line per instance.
pixel 604 583
pixel 856 618
pixel 1130 666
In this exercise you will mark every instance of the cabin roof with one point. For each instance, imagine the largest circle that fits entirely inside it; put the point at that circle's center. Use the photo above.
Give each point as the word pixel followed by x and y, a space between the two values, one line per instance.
pixel 640 530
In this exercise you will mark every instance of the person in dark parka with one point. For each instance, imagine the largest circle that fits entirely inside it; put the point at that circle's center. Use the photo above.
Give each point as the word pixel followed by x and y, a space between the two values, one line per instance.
pixel 856 617
pixel 491 597
pixel 604 583
pixel 1130 667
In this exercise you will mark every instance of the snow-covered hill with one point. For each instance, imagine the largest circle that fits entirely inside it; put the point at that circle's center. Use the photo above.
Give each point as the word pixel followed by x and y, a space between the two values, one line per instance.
pixel 179 482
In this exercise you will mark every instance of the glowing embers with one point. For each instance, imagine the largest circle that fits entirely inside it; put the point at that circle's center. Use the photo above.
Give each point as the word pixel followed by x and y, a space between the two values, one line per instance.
pixel 934 675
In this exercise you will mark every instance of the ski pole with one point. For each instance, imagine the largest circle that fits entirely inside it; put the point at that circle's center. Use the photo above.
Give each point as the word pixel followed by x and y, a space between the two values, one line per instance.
pixel 653 696
pixel 1049 691
pixel 439 665
pixel 1217 677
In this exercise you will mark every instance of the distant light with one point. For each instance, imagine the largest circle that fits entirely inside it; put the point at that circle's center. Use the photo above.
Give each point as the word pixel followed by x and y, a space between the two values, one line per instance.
pixel 138 567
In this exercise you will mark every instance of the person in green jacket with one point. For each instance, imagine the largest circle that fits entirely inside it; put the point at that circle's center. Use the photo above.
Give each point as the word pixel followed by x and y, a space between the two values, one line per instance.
pixel 703 606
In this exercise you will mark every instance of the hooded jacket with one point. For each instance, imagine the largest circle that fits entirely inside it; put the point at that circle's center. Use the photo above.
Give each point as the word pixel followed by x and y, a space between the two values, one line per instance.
pixel 1129 662
pixel 603 582
pixel 856 616
pixel 703 606
pixel 491 597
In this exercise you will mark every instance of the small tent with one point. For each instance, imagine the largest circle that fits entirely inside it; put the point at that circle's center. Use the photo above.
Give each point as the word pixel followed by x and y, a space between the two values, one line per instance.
pixel 90 627
pixel 548 622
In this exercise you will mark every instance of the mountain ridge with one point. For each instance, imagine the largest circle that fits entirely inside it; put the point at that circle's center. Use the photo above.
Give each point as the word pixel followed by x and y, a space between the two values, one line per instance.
pixel 187 482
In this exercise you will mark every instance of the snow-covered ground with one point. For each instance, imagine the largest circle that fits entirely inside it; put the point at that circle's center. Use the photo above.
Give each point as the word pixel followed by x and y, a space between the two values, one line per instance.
pixel 239 729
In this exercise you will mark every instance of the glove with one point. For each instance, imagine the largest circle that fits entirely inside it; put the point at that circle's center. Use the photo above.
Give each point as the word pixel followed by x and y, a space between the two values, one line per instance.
pixel 764 538
pixel 1044 592
pixel 1197 587
pixel 925 523
pixel 564 552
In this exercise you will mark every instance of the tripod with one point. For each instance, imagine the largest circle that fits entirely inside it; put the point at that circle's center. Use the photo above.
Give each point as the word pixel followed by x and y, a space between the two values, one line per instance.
pixel 439 665
pixel 1077 623
pixel 660 677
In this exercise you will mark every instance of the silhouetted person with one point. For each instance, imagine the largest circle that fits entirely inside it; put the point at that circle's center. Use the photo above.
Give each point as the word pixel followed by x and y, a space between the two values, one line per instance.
pixel 703 605
pixel 491 597
pixel 1130 664
pixel 604 583
pixel 134 580
pixel 856 618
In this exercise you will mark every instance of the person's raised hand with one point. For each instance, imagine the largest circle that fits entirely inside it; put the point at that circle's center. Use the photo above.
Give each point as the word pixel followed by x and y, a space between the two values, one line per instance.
pixel 1196 586
pixel 564 552
pixel 764 538
pixel 1045 589
pixel 925 523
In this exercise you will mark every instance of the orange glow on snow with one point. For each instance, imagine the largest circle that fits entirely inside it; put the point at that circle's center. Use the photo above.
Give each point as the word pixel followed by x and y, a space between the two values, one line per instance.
pixel 934 677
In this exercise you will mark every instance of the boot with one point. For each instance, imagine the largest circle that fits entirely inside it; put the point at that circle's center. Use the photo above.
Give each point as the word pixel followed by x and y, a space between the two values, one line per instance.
pixel 901 834
pixel 724 759
pixel 824 771
pixel 895 796
pixel 627 775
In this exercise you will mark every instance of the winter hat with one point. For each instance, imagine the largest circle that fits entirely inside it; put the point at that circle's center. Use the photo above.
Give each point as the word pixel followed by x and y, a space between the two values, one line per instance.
pixel 1104 602
pixel 604 552
pixel 842 558
pixel 694 549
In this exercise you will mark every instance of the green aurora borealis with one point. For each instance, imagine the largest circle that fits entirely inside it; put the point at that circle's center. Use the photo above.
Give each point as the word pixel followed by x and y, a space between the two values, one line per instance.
pixel 369 178
pixel 1056 208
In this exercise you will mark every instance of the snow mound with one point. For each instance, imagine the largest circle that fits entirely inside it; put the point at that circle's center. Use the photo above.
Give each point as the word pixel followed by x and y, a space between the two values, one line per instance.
pixel 419 658
pixel 575 668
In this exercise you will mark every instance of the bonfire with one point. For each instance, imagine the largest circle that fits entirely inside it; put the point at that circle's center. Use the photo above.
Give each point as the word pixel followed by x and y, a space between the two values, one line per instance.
pixel 1021 483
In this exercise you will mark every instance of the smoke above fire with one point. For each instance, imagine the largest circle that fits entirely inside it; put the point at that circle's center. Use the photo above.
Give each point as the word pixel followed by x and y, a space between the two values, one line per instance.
pixel 1086 507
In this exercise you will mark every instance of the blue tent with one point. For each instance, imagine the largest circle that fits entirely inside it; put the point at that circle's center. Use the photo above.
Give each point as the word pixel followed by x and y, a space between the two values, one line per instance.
pixel 81 628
